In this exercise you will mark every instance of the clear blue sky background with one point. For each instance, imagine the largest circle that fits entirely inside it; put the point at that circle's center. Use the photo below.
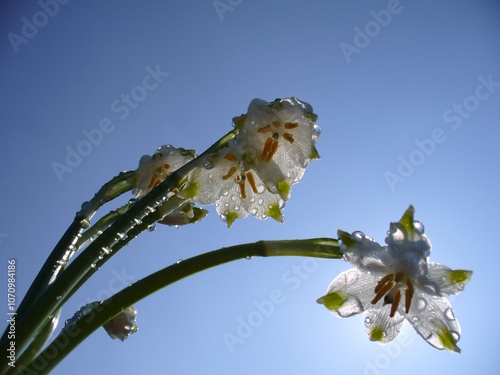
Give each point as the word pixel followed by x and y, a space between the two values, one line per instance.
pixel 375 105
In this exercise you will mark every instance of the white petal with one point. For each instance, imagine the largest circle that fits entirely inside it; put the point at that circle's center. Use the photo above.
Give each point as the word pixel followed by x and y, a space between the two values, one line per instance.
pixel 444 281
pixel 433 319
pixel 365 253
pixel 380 326
pixel 352 291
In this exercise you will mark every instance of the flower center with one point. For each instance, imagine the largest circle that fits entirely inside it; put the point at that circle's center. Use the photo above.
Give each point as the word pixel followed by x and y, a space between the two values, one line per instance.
pixel 241 177
pixel 272 142
pixel 160 174
pixel 390 287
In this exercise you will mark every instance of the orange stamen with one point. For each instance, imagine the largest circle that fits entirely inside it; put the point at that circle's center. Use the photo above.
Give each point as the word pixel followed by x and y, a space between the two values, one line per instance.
pixel 166 166
pixel 395 304
pixel 274 148
pixel 384 281
pixel 229 173
pixel 251 181
pixel 231 157
pixel 264 129
pixel 242 189
pixel 267 148
pixel 288 137
pixel 153 180
pixel 382 292
pixel 408 295
pixel 289 125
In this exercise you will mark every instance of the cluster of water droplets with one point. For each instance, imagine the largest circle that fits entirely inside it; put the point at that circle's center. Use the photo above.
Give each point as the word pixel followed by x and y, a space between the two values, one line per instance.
pixel 84 310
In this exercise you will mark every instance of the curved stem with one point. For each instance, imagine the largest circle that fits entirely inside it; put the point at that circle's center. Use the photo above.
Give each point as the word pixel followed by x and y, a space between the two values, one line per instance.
pixel 73 335
pixel 149 209
pixel 66 247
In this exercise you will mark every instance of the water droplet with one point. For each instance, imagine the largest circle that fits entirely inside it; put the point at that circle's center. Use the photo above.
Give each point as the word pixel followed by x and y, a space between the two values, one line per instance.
pixel 455 335
pixel 368 320
pixel 151 227
pixel 106 250
pixel 223 217
pixel 358 234
pixel 260 201
pixel 419 227
pixel 316 132
pixel 179 261
pixel 137 221
pixel 208 165
pixel 248 257
pixel 421 304
pixel 415 320
pixel 225 193
pixel 58 297
pixel 93 266
pixel 122 236
pixel 233 198
pixel 449 314
pixel 132 201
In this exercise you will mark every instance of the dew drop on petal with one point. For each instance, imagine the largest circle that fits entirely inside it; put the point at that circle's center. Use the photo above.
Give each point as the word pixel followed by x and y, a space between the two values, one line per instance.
pixel 455 335
pixel 316 132
pixel 415 320
pixel 358 234
pixel 368 320
pixel 208 165
pixel 421 304
pixel 152 227
pixel 449 314
pixel 260 201
pixel 419 227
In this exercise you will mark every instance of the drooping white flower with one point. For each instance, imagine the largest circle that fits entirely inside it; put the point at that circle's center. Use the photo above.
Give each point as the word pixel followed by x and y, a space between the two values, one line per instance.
pixel 122 325
pixel 397 282
pixel 154 169
pixel 284 134
pixel 233 187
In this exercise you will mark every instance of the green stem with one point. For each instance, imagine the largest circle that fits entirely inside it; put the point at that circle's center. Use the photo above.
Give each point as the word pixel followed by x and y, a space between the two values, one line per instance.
pixel 66 247
pixel 75 334
pixel 145 211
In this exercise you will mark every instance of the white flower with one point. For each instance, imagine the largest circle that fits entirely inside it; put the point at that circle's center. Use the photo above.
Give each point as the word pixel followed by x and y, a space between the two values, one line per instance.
pixel 154 169
pixel 235 189
pixel 284 134
pixel 397 282
pixel 122 325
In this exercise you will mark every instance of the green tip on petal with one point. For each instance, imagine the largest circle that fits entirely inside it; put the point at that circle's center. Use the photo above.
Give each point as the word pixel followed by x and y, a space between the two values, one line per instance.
pixel 283 189
pixel 239 121
pixel 448 341
pixel 377 334
pixel 407 220
pixel 314 154
pixel 275 212
pixel 332 301
pixel 346 239
pixel 230 218
pixel 190 191
pixel 459 276
pixel 186 152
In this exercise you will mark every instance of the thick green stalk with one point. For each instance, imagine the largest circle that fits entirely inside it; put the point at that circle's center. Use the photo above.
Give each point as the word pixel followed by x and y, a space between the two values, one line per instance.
pixel 133 222
pixel 69 338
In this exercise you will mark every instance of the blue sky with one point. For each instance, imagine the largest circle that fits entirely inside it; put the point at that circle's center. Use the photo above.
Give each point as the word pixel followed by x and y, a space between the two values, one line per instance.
pixel 408 98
